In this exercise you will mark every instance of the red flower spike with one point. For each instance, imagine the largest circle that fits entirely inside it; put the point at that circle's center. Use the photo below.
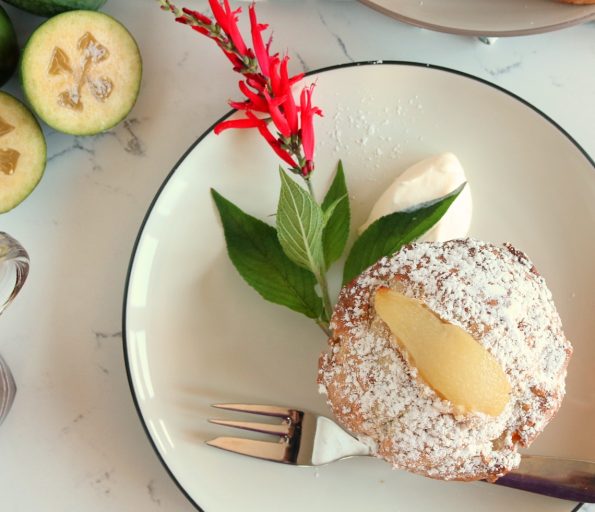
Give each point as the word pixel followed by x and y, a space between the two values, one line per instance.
pixel 261 51
pixel 266 88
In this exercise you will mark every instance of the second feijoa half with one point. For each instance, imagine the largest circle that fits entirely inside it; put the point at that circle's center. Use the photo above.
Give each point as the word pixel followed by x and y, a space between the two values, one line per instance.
pixel 81 72
pixel 22 152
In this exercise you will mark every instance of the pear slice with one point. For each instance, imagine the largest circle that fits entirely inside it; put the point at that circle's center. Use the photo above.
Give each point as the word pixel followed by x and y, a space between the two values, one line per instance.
pixel 448 359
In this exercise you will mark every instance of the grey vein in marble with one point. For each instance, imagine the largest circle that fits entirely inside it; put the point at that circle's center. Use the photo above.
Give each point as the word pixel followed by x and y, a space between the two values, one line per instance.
pixel 76 146
pixel 103 481
pixel 504 69
pixel 340 41
pixel 65 430
pixel 152 495
pixel 134 145
pixel 101 336
pixel 182 60
pixel 305 66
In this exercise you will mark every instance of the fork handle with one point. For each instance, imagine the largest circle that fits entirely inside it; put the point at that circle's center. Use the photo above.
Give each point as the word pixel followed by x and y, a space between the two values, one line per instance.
pixel 566 479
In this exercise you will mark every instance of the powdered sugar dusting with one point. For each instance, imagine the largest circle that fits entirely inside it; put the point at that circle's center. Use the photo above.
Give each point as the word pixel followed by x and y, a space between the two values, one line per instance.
pixel 492 292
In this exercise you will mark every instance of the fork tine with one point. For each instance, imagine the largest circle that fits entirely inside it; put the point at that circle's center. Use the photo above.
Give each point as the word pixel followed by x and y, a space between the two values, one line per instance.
pixel 266 428
pixel 266 410
pixel 275 452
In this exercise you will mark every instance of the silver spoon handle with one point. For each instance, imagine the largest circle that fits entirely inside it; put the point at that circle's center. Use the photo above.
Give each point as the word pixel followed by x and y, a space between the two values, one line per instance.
pixel 566 479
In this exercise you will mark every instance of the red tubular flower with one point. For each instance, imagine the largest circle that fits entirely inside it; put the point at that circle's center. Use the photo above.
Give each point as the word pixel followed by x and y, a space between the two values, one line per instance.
pixel 307 112
pixel 289 107
pixel 273 142
pixel 276 114
pixel 228 21
pixel 261 51
pixel 254 102
pixel 199 17
pixel 237 123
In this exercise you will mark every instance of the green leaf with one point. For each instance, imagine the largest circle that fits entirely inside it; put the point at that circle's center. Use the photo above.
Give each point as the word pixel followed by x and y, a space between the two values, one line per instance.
pixel 299 225
pixel 255 251
pixel 388 234
pixel 336 208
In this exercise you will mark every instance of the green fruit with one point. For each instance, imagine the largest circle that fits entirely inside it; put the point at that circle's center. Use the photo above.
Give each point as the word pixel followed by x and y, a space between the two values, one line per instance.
pixel 22 152
pixel 81 72
pixel 9 48
pixel 52 7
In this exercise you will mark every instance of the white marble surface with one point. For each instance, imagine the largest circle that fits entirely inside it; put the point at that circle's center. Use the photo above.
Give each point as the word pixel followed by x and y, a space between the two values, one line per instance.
pixel 73 440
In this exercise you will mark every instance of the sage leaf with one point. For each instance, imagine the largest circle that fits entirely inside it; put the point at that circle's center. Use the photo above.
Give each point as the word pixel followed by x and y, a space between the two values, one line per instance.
pixel 389 233
pixel 299 225
pixel 336 209
pixel 256 253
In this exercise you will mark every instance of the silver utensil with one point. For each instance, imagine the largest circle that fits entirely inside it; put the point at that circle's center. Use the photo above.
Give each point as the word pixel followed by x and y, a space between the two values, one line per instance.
pixel 306 439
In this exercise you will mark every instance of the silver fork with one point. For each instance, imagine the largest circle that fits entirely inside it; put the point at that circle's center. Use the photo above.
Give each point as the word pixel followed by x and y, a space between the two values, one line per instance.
pixel 306 439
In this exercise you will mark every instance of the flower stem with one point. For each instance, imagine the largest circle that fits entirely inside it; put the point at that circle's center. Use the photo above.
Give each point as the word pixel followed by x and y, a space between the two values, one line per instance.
pixel 324 326
pixel 310 188
pixel 326 300
pixel 321 279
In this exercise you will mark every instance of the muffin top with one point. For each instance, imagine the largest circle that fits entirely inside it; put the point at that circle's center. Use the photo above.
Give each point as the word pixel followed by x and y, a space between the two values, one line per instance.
pixel 496 295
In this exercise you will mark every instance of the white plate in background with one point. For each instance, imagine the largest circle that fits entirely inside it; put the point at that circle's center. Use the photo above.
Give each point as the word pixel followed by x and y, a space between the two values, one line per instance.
pixel 486 17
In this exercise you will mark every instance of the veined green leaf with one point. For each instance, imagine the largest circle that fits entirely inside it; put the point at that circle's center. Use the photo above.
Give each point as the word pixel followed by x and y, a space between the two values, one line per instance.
pixel 336 208
pixel 256 253
pixel 389 233
pixel 299 225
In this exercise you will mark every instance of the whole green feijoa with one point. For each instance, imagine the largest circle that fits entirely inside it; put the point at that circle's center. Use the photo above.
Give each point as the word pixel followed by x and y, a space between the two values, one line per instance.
pixel 9 48
pixel 52 7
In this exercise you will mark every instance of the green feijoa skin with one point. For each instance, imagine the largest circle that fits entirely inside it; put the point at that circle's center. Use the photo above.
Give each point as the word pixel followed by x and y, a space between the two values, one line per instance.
pixel 81 72
pixel 9 48
pixel 22 152
pixel 52 7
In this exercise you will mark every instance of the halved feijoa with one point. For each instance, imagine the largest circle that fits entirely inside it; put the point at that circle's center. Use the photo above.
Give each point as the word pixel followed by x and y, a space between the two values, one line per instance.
pixel 9 49
pixel 81 72
pixel 52 7
pixel 22 152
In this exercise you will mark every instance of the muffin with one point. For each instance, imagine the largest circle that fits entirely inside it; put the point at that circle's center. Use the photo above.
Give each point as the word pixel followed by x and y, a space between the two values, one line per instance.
pixel 495 294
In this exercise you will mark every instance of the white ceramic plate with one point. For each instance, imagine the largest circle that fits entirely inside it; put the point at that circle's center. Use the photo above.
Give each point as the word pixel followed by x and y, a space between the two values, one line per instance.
pixel 196 334
pixel 486 17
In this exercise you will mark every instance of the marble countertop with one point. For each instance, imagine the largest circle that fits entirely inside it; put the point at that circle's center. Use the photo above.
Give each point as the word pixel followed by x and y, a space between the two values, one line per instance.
pixel 73 440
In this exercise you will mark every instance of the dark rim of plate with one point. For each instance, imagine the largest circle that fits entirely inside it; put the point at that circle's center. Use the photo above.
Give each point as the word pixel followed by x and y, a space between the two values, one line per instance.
pixel 199 140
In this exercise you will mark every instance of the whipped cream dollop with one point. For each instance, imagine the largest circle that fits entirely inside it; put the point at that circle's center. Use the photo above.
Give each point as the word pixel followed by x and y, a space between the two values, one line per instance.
pixel 425 181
